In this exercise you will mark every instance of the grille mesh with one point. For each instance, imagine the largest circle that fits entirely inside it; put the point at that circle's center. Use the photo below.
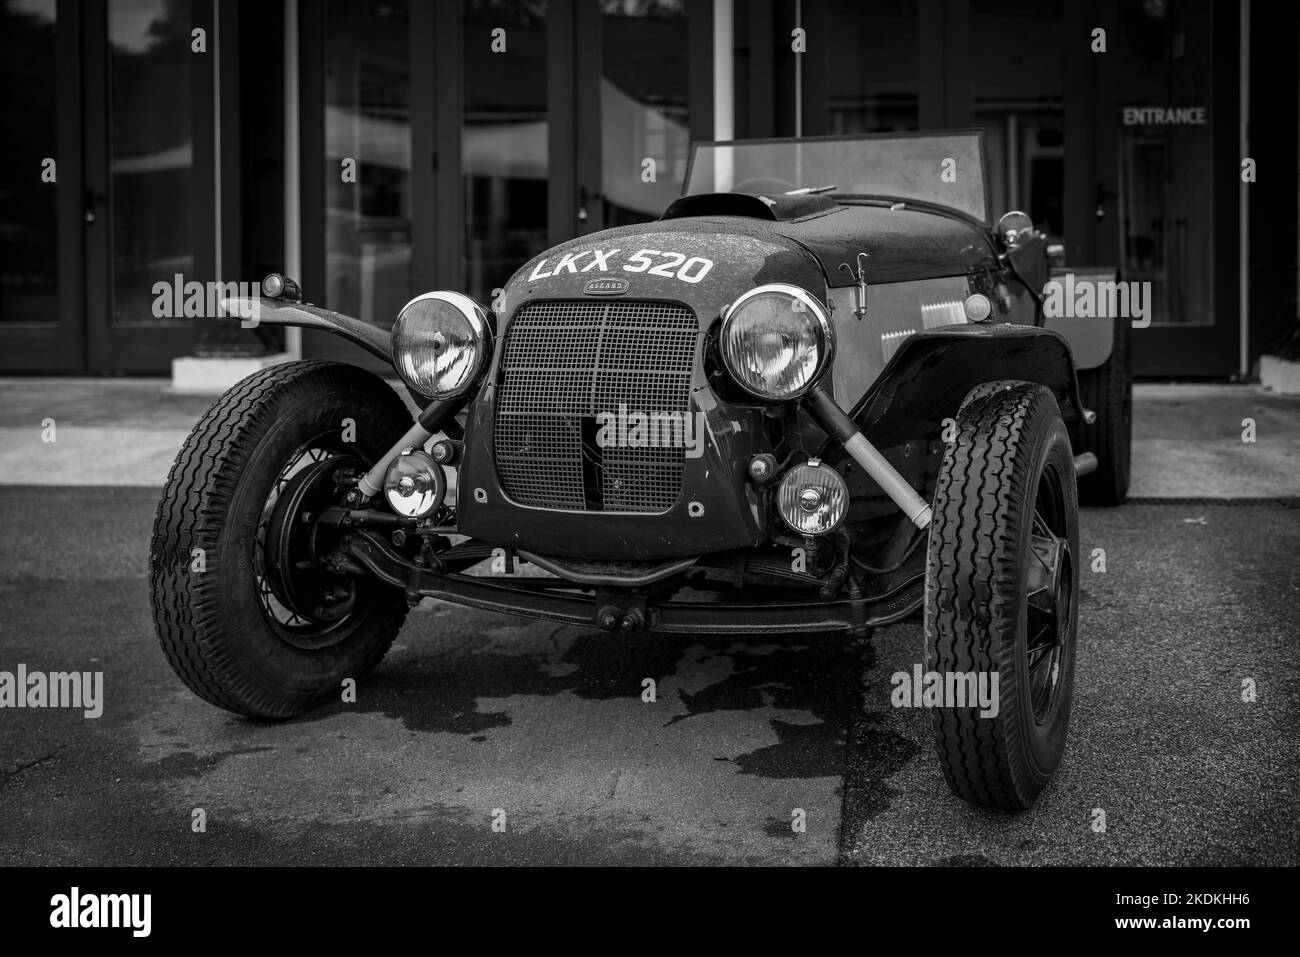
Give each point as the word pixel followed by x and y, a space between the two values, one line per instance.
pixel 568 361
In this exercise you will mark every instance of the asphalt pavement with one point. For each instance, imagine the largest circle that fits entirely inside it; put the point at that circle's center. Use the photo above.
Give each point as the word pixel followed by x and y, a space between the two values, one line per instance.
pixel 476 718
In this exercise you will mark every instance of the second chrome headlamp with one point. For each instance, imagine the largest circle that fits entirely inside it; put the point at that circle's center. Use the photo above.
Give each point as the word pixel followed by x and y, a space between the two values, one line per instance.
pixel 776 341
pixel 441 342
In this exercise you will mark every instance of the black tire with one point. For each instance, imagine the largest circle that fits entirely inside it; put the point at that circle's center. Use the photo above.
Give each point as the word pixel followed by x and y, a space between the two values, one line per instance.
pixel 1108 391
pixel 219 622
pixel 1010 466
pixel 986 389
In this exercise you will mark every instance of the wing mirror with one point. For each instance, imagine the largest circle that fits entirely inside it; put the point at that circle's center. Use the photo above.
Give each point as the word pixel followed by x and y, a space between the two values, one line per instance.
pixel 1013 225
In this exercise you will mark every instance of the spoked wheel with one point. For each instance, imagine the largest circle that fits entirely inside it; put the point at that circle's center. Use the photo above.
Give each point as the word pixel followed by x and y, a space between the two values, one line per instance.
pixel 1049 608
pixel 303 602
pixel 1001 594
pixel 248 614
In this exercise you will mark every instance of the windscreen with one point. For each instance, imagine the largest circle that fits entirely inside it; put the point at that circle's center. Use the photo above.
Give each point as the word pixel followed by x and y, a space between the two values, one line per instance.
pixel 941 168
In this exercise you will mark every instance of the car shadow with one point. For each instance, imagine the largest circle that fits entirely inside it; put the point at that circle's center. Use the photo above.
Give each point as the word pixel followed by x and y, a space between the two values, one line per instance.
pixel 454 686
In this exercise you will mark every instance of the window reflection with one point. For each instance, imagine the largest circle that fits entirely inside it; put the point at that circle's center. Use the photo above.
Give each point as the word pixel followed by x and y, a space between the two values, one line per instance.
pixel 504 141
pixel 644 108
pixel 873 84
pixel 151 151
pixel 1017 97
pixel 28 224
pixel 368 124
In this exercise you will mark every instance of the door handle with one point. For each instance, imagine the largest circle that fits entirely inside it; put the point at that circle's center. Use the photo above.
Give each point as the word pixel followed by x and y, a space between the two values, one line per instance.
pixel 89 201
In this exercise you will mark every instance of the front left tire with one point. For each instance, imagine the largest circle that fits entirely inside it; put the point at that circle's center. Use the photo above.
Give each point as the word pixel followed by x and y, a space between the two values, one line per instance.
pixel 1001 593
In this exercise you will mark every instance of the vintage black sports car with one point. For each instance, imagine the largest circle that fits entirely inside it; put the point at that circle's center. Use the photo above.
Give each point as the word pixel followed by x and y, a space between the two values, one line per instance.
pixel 819 394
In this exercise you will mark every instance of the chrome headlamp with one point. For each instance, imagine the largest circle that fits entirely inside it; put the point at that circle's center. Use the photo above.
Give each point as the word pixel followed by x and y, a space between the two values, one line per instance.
pixel 441 343
pixel 776 341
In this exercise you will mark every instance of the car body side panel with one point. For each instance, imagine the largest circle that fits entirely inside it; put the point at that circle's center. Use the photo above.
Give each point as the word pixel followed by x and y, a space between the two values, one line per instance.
pixel 932 371
pixel 1091 339
pixel 894 312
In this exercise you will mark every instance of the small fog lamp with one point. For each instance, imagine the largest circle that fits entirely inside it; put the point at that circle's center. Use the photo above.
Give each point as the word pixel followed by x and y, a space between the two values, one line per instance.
pixel 415 484
pixel 812 498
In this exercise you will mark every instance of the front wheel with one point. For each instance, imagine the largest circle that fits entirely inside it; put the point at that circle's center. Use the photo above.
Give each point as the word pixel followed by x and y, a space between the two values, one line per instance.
pixel 247 615
pixel 1001 594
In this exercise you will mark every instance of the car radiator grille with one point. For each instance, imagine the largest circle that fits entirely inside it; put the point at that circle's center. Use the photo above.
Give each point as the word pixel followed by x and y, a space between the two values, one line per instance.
pixel 565 363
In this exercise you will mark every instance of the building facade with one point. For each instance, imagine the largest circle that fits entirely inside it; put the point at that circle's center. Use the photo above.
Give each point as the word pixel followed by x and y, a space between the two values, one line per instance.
pixel 374 149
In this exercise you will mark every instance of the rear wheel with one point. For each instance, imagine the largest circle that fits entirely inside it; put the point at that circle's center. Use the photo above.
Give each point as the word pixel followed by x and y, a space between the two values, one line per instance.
pixel 1001 593
pixel 1108 391
pixel 247 615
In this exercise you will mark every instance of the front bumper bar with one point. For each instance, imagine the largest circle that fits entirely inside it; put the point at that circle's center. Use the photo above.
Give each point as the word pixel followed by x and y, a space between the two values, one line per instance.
pixel 562 601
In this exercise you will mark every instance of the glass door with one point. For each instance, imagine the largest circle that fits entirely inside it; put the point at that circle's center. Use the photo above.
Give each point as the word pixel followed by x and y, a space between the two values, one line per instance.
pixel 1018 100
pixel 1175 212
pixel 504 133
pixel 40 322
pixel 138 203
pixel 368 158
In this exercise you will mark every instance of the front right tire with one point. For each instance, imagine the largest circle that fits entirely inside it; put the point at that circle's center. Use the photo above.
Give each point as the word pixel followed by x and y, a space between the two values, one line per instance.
pixel 247 615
